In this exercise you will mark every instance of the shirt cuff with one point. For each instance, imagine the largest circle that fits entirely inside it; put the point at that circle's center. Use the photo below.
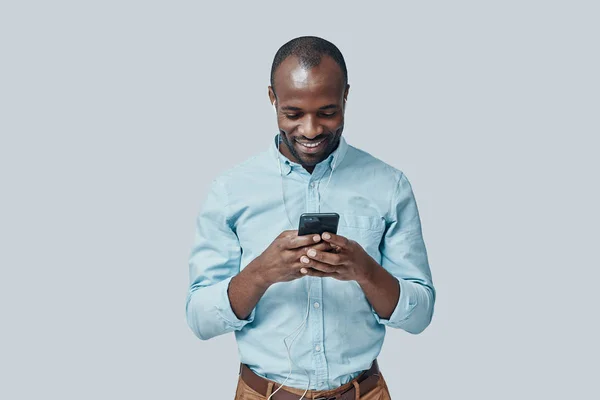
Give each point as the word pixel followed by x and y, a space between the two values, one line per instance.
pixel 406 304
pixel 224 309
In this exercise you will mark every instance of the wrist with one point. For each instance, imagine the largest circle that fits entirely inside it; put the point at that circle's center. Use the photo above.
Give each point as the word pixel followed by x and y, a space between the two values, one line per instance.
pixel 256 276
pixel 369 275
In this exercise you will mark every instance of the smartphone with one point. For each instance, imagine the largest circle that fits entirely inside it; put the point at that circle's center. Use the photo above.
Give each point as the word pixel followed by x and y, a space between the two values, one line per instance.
pixel 318 223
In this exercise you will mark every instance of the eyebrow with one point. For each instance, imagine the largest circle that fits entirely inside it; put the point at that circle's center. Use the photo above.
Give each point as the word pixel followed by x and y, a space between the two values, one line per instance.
pixel 291 108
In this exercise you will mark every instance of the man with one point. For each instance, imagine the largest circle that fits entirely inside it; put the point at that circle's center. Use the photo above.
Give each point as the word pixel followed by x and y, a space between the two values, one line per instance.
pixel 250 272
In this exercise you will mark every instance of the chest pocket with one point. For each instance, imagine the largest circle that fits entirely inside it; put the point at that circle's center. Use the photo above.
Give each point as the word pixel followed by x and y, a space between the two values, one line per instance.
pixel 364 229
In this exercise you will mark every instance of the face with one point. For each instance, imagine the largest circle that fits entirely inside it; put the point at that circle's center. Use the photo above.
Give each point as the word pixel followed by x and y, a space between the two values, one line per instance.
pixel 310 109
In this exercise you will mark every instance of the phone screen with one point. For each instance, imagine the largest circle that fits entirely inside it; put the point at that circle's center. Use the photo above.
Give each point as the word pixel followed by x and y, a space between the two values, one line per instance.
pixel 318 223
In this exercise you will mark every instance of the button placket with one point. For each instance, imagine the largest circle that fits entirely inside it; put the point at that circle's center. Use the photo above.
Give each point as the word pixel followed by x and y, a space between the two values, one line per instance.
pixel 316 322
pixel 316 317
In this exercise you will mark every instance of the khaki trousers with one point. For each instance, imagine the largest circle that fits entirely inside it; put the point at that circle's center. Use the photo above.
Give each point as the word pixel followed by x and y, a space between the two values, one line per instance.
pixel 380 392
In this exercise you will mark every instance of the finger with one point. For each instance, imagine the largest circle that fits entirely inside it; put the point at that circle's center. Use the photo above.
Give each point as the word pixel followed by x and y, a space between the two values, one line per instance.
pixel 337 240
pixel 323 246
pixel 314 272
pixel 307 262
pixel 296 241
pixel 325 257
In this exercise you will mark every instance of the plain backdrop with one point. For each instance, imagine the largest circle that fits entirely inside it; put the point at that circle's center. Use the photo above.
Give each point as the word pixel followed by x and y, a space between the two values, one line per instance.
pixel 116 115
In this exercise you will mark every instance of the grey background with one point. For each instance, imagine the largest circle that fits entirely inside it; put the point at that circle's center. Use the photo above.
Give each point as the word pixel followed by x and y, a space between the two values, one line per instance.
pixel 115 116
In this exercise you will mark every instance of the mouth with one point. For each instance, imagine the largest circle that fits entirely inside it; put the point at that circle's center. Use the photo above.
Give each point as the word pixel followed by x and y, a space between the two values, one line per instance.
pixel 312 147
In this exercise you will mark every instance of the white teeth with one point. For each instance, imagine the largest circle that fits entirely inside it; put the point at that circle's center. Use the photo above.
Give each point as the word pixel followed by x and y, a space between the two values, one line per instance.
pixel 311 145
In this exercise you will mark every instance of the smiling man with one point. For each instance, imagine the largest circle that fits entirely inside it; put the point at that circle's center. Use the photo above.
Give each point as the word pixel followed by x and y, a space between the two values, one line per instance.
pixel 309 312
pixel 311 93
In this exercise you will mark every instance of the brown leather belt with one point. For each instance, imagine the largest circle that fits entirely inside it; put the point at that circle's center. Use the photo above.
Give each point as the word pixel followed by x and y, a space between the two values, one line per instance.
pixel 367 381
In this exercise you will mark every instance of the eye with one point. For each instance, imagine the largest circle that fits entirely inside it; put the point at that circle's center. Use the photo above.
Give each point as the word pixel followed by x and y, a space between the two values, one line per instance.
pixel 292 116
pixel 328 115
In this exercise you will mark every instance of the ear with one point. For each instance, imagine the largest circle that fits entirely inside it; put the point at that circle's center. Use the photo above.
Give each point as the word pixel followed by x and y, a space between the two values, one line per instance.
pixel 272 97
pixel 345 98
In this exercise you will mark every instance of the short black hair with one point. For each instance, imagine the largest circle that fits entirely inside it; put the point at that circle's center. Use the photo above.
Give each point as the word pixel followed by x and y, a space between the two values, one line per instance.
pixel 309 50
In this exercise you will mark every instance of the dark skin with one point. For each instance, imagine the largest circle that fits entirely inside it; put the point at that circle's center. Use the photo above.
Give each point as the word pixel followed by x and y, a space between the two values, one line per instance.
pixel 310 109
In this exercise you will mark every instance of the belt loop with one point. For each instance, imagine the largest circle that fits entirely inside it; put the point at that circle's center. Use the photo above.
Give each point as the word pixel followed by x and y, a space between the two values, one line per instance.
pixel 269 389
pixel 356 390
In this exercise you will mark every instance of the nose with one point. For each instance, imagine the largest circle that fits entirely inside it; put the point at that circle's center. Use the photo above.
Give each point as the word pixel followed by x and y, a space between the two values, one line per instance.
pixel 310 127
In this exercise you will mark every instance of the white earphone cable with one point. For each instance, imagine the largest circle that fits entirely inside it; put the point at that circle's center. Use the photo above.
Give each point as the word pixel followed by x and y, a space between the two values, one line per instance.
pixel 298 330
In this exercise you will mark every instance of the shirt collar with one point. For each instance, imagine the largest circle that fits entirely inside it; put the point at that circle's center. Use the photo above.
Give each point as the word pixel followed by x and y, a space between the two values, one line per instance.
pixel 287 165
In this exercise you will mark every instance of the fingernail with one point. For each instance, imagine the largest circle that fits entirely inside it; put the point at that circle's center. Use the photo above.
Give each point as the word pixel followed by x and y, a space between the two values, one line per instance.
pixel 316 238
pixel 312 253
pixel 327 236
pixel 304 259
pixel 303 270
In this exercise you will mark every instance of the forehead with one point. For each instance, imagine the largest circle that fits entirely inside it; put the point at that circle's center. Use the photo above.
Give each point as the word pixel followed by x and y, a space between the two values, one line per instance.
pixel 293 81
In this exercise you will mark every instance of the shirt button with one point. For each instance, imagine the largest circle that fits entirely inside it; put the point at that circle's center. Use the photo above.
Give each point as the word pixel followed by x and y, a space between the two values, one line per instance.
pixel 316 305
pixel 318 348
pixel 313 184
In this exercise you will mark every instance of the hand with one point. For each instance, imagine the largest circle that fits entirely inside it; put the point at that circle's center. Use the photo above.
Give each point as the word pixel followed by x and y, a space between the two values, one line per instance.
pixel 348 261
pixel 280 262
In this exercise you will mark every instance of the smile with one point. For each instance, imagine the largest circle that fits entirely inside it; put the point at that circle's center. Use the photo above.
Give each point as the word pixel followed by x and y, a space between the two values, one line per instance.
pixel 312 148
pixel 310 145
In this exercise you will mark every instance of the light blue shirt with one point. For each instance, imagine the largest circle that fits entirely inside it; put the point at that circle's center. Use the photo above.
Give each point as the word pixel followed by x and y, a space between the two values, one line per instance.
pixel 244 212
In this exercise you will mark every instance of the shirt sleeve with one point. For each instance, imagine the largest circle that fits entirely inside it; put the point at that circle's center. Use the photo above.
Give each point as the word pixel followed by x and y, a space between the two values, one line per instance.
pixel 404 255
pixel 214 260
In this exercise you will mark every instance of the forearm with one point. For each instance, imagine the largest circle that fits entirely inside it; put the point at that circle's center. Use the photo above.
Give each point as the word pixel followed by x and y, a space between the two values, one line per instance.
pixel 405 304
pixel 382 290
pixel 246 289
pixel 215 309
